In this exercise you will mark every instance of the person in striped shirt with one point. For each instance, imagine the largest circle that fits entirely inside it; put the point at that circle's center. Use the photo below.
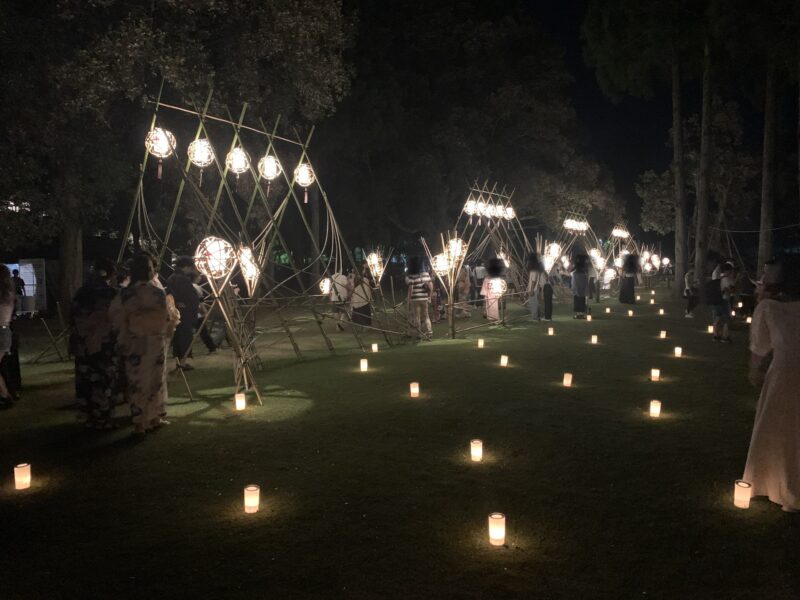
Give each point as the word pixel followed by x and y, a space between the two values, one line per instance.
pixel 420 289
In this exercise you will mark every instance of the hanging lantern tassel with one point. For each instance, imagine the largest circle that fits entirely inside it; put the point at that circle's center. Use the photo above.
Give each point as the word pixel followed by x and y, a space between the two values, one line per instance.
pixel 200 184
pixel 470 219
pixel 305 198
pixel 269 186
pixel 160 164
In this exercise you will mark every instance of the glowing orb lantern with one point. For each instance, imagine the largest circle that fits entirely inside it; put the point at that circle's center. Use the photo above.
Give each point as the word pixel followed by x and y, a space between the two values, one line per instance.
pixel 325 285
pixel 22 476
pixel 200 152
pixel 509 213
pixel 554 250
pixel 655 408
pixel 249 267
pixel 567 381
pixel 471 207
pixel 214 257
pixel 252 499
pixel 648 267
pixel 497 529
pixel 498 286
pixel 503 360
pixel 237 161
pixel 476 450
pixel 304 176
pixel 364 365
pixel 480 208
pixel 491 210
pixel 655 374
pixel 618 262
pixel 240 401
pixel 441 264
pixel 665 262
pixel 742 492
pixel 374 348
pixel 655 260
pixel 678 351
pixel 646 255
pixel 269 167
pixel 455 247
pixel 160 143
pixel 413 388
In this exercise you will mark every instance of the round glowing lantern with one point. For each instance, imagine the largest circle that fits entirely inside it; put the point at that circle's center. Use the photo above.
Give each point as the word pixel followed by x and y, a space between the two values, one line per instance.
pixel 325 285
pixel 160 143
pixel 215 257
pixel 455 247
pixel 304 176
pixel 509 213
pixel 471 207
pixel 441 264
pixel 249 266
pixel 269 167
pixel 237 161
pixel 201 154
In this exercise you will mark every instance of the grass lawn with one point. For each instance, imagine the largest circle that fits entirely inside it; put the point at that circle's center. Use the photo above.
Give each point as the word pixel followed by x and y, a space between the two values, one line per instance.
pixel 367 493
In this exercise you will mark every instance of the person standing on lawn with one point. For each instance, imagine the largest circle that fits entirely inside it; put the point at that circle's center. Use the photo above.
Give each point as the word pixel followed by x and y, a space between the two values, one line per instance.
pixel 92 346
pixel 7 301
pixel 420 290
pixel 579 283
pixel 773 459
pixel 144 319
pixel 718 294
pixel 181 288
pixel 537 278
pixel 630 277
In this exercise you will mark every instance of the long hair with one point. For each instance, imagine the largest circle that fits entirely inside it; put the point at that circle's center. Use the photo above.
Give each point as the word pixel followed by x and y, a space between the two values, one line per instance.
pixel 496 267
pixel 581 263
pixel 631 263
pixel 6 285
pixel 141 268
pixel 534 262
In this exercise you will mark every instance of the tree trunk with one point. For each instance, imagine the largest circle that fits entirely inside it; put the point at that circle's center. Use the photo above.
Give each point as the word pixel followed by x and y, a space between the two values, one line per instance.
pixel 768 168
pixel 701 231
pixel 680 191
pixel 71 247
pixel 798 128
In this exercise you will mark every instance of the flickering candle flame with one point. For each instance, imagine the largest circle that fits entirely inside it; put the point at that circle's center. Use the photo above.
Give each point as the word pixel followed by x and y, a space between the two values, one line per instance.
pixel 663 334
pixel 414 389
pixel 678 351
pixel 374 347
pixel 476 450
pixel 364 365
pixel 594 339
pixel 655 408
pixel 630 313
pixel 551 331
pixel 480 343
pixel 497 529
pixel 567 380
pixel 252 499
pixel 655 374
pixel 503 360
pixel 240 401
pixel 742 491
pixel 22 476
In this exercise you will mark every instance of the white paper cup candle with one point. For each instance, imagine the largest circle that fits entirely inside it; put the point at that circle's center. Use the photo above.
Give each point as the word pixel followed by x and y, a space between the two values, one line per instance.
pixel 567 381
pixel 551 331
pixel 240 401
pixel 652 292
pixel 655 374
pixel 652 300
pixel 749 320
pixel 638 298
pixel 588 317
pixel 710 329
pixel 476 450
pixel 497 529
pixel 374 347
pixel 594 339
pixel 364 364
pixel 22 476
pixel 678 351
pixel 655 408
pixel 503 360
pixel 740 305
pixel 663 334
pixel 660 311
pixel 480 343
pixel 630 313
pixel 252 498
pixel 608 310
pixel 414 389
pixel 742 491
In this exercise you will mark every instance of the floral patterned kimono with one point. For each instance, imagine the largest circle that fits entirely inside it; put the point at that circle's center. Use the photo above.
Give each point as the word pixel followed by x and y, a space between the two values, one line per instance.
pixel 492 300
pixel 92 345
pixel 144 319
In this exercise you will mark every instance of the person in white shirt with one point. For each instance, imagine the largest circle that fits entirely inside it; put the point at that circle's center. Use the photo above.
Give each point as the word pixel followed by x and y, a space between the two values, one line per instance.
pixel 341 289
pixel 420 290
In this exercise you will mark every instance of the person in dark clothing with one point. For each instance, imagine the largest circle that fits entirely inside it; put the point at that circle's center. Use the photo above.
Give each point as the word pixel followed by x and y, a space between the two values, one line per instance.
pixel 179 285
pixel 630 277
pixel 580 285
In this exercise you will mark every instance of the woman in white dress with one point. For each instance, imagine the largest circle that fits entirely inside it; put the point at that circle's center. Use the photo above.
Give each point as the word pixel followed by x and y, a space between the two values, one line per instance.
pixel 773 461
